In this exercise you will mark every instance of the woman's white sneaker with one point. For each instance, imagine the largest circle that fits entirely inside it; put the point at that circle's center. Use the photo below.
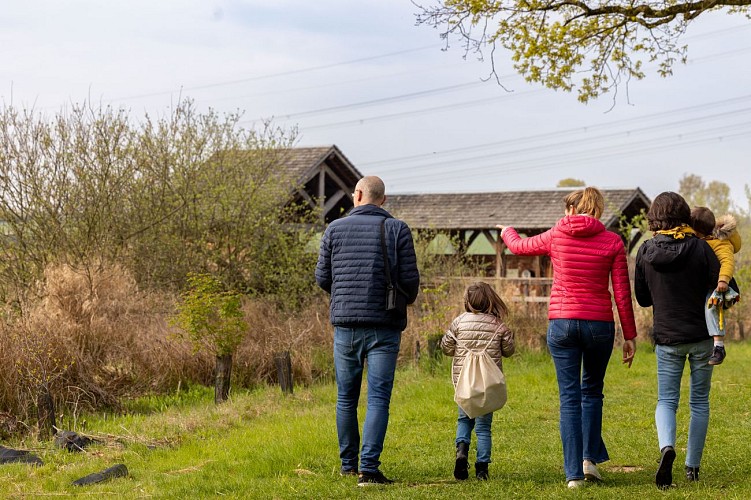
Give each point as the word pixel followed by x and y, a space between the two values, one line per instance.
pixel 576 483
pixel 590 471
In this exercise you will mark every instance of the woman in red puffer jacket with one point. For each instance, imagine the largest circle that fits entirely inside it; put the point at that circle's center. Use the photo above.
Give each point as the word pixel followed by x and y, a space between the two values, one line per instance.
pixel 586 257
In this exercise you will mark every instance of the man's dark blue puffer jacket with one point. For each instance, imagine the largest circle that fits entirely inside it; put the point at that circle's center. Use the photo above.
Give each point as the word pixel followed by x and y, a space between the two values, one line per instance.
pixel 350 267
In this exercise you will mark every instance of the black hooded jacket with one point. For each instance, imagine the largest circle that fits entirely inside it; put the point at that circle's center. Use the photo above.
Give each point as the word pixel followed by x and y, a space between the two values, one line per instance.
pixel 674 276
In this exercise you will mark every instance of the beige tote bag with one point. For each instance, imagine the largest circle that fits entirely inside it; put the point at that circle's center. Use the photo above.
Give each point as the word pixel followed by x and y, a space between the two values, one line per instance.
pixel 481 385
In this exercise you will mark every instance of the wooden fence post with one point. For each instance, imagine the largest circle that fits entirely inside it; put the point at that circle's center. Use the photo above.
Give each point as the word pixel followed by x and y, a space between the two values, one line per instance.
pixel 45 413
pixel 283 362
pixel 222 377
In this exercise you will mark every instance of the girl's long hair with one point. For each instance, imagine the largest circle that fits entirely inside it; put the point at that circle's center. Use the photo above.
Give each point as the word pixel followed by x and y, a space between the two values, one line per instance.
pixel 479 297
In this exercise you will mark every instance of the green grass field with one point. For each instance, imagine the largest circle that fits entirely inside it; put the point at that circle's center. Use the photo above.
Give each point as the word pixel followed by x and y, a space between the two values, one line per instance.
pixel 265 445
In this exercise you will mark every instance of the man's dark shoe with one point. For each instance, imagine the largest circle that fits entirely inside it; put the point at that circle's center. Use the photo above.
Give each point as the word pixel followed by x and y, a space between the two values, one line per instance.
pixel 481 471
pixel 461 468
pixel 347 472
pixel 718 355
pixel 692 473
pixel 664 476
pixel 372 479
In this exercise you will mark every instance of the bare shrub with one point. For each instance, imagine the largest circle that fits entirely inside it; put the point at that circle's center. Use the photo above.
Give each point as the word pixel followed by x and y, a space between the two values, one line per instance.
pixel 308 336
pixel 438 305
pixel 94 338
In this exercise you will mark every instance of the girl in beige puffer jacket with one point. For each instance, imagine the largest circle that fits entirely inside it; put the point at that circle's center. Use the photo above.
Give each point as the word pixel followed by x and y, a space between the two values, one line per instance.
pixel 480 327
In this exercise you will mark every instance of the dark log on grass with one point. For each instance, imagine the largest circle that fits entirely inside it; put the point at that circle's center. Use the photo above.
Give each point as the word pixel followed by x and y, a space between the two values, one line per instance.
pixel 11 456
pixel 283 362
pixel 222 376
pixel 45 414
pixel 118 470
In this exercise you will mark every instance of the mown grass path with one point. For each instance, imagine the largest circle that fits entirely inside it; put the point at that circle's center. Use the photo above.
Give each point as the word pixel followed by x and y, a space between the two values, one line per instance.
pixel 265 445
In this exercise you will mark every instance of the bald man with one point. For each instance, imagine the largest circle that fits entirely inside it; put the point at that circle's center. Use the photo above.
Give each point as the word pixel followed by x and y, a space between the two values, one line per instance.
pixel 352 268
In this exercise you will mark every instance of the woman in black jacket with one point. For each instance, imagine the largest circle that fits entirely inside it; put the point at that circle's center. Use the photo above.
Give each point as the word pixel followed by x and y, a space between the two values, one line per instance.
pixel 674 270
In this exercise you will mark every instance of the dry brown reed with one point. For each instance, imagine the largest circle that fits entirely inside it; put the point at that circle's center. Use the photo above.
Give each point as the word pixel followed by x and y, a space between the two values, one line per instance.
pixel 94 338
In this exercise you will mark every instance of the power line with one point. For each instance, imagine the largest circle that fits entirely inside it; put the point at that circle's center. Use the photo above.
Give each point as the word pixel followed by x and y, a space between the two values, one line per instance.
pixel 276 75
pixel 553 165
pixel 657 143
pixel 391 116
pixel 432 109
pixel 383 100
pixel 720 32
pixel 562 133
pixel 338 83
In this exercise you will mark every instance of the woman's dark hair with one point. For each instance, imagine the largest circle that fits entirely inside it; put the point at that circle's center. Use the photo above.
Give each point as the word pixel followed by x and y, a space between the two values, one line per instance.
pixel 481 298
pixel 702 220
pixel 668 210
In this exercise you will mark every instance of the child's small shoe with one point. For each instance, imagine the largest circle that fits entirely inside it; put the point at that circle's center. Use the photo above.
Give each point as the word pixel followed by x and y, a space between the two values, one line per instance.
pixel 481 471
pixel 718 355
pixel 461 468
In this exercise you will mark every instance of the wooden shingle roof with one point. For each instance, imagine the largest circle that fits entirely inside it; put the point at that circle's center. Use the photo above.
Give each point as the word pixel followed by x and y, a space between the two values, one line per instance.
pixel 533 211
pixel 303 163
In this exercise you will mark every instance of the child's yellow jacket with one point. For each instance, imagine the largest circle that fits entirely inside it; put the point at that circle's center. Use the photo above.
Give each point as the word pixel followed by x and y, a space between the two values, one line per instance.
pixel 725 241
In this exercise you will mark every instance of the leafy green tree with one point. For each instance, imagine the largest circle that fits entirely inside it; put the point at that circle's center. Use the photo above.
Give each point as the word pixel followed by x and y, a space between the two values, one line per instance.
pixel 570 182
pixel 592 46
pixel 714 195
pixel 212 319
pixel 633 229
pixel 166 196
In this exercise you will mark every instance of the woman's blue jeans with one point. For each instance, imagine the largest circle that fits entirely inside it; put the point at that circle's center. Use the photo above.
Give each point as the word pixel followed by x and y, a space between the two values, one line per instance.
pixel 352 348
pixel 581 350
pixel 671 360
pixel 481 425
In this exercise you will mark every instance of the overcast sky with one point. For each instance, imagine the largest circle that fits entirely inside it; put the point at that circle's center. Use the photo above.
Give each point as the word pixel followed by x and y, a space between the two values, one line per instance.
pixel 361 75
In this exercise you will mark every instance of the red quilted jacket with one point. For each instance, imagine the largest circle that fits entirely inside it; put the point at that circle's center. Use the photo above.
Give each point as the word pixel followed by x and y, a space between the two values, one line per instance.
pixel 585 258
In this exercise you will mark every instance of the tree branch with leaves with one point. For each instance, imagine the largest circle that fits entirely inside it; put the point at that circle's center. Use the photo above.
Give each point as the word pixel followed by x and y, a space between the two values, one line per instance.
pixel 588 46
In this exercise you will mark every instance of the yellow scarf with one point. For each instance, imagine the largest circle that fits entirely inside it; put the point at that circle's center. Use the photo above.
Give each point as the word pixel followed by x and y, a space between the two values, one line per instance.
pixel 679 232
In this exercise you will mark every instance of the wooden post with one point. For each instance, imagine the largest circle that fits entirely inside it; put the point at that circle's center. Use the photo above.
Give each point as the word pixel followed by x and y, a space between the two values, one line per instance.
pixel 434 346
pixel 45 413
pixel 283 362
pixel 417 351
pixel 500 268
pixel 222 376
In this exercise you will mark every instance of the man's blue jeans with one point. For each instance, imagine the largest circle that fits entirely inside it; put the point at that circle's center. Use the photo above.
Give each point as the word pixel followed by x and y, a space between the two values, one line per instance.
pixel 671 360
pixel 481 425
pixel 581 350
pixel 352 347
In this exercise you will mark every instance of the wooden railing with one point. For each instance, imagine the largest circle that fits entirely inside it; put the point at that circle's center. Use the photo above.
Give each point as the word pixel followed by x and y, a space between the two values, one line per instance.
pixel 520 289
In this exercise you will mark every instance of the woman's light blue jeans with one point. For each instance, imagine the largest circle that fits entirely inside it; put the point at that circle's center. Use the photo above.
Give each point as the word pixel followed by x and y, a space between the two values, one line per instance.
pixel 581 350
pixel 352 348
pixel 481 425
pixel 671 360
